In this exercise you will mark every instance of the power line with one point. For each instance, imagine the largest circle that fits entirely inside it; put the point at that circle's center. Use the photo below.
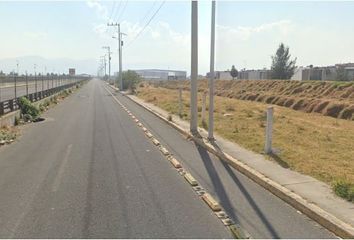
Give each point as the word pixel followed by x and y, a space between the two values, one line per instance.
pixel 113 8
pixel 148 12
pixel 122 12
pixel 152 17
pixel 118 10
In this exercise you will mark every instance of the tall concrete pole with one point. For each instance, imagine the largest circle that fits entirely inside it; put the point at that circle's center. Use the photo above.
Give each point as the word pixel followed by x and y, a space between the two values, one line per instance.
pixel 109 61
pixel 120 77
pixel 194 69
pixel 212 74
pixel 120 59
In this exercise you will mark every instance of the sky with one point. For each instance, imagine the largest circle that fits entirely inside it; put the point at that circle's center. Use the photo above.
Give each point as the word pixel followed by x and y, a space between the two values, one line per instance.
pixel 57 35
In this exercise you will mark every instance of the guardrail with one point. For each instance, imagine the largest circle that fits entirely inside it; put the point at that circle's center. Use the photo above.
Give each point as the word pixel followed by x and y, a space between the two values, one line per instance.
pixel 11 105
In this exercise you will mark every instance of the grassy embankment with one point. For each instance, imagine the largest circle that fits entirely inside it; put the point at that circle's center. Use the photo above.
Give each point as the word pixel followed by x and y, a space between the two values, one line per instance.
pixel 312 144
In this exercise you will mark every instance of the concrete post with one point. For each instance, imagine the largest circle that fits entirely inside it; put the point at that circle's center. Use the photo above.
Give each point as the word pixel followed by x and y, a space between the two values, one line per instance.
pixel 269 129
pixel 212 74
pixel 180 103
pixel 194 69
pixel 204 106
pixel 26 85
pixel 15 80
pixel 120 60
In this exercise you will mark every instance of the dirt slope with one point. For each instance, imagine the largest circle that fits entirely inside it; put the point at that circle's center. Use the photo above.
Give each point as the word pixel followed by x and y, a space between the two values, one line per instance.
pixel 335 99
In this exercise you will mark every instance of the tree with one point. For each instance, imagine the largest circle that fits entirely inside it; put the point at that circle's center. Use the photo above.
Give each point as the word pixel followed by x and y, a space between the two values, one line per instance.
pixel 233 72
pixel 282 67
pixel 130 80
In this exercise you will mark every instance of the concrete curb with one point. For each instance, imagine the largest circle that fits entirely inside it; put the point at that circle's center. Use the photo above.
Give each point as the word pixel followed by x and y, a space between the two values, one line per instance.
pixel 319 215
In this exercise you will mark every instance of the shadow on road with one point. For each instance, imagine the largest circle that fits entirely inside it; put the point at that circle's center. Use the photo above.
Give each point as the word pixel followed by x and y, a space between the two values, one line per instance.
pixel 221 192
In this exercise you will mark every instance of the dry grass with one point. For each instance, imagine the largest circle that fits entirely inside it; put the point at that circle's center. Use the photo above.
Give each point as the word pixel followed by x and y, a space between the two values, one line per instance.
pixel 312 144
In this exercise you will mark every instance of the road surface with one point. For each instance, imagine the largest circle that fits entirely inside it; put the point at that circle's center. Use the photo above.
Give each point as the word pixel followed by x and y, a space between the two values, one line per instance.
pixel 89 172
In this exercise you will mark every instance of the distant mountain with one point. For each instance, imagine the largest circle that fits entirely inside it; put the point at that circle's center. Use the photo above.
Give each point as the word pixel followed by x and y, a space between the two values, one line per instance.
pixel 61 65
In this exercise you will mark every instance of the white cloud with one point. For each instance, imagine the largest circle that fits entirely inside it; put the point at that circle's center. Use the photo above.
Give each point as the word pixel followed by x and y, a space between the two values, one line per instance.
pixel 101 10
pixel 35 35
pixel 244 33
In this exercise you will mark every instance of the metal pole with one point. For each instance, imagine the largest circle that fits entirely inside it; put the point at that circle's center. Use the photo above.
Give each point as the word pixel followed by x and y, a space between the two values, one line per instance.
pixel 269 128
pixel 26 85
pixel 212 74
pixel 194 69
pixel 35 84
pixel 105 67
pixel 0 86
pixel 180 101
pixel 120 59
pixel 15 79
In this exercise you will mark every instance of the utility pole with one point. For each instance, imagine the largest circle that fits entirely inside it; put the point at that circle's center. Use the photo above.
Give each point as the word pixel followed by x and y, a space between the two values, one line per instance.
pixel 35 80
pixel 212 74
pixel 120 44
pixel 109 61
pixel 103 59
pixel 194 69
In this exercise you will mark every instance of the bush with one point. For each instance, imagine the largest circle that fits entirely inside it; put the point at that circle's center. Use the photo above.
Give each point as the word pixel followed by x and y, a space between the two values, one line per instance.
pixel 130 80
pixel 344 189
pixel 27 118
pixel 169 118
pixel 27 107
pixel 17 120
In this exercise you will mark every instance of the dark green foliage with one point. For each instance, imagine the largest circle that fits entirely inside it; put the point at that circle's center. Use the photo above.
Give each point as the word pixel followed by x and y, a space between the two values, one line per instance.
pixel 130 80
pixel 233 72
pixel 27 107
pixel 344 189
pixel 282 67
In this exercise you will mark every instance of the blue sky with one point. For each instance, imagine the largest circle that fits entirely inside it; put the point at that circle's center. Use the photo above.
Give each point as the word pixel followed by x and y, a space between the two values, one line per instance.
pixel 318 33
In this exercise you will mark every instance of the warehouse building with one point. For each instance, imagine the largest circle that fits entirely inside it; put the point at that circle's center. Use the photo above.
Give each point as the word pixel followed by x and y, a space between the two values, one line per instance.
pixel 161 75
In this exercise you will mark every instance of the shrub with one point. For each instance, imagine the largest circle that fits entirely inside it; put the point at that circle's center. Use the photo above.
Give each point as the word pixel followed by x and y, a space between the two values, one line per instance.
pixel 46 103
pixel 169 118
pixel 27 118
pixel 17 120
pixel 27 107
pixel 41 107
pixel 344 189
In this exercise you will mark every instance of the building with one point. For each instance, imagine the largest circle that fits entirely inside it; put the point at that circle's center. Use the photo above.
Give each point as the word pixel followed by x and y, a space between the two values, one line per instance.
pixel 327 73
pixel 72 71
pixel 254 74
pixel 160 75
pixel 222 75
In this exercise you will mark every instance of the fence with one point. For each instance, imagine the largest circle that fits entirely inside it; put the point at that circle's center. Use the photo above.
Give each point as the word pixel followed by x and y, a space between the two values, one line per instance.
pixel 33 87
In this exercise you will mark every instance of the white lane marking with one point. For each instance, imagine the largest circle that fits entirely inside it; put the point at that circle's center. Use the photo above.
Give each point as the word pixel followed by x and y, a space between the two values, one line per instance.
pixel 59 176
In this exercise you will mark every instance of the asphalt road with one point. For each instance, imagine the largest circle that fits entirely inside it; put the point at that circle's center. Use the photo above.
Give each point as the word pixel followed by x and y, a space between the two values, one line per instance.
pixel 8 92
pixel 88 171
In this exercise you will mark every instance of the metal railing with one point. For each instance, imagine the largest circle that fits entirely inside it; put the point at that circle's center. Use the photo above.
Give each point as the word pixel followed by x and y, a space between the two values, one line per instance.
pixel 34 88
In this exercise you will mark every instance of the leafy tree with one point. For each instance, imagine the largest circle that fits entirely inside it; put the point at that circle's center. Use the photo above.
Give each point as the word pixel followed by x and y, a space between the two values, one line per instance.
pixel 282 67
pixel 233 72
pixel 130 80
